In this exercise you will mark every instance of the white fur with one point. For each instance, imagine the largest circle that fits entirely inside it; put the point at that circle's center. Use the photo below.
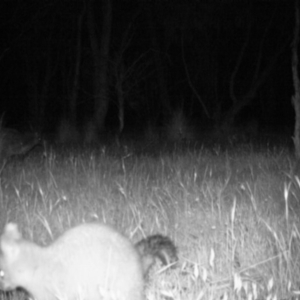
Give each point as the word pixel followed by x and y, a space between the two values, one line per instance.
pixel 88 262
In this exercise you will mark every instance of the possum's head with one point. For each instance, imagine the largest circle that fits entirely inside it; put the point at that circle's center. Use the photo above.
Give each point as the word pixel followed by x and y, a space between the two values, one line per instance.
pixel 11 265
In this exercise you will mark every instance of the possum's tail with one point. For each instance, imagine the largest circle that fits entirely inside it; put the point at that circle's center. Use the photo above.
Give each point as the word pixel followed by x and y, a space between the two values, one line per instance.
pixel 156 247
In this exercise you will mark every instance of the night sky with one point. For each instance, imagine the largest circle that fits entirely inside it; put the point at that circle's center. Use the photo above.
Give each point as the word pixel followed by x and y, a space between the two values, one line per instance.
pixel 197 57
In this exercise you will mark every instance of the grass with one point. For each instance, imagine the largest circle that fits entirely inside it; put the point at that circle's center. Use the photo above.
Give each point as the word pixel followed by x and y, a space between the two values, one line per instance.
pixel 234 214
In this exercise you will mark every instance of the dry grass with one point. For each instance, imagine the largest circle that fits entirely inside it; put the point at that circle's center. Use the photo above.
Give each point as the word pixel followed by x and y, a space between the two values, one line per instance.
pixel 233 215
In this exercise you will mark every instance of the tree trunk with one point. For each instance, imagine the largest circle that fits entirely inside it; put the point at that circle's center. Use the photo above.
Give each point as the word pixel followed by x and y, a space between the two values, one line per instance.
pixel 259 77
pixel 74 92
pixel 163 90
pixel 296 97
pixel 100 56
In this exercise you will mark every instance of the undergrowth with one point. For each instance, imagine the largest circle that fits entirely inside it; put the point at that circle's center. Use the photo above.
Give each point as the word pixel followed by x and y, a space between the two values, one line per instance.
pixel 234 215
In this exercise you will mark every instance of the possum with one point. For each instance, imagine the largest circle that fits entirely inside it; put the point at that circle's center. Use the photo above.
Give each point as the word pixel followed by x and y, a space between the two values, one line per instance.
pixel 91 261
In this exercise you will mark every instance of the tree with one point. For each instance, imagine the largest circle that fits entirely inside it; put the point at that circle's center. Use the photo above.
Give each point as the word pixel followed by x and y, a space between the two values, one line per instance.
pixel 100 53
pixel 296 96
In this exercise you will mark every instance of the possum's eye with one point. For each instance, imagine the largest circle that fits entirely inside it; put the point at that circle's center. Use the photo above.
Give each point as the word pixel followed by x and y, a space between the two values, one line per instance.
pixel 2 274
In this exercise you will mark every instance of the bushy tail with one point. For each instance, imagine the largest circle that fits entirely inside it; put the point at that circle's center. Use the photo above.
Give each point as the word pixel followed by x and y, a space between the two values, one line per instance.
pixel 156 247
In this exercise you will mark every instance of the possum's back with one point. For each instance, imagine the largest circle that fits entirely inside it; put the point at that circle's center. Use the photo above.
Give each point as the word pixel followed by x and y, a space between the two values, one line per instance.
pixel 93 261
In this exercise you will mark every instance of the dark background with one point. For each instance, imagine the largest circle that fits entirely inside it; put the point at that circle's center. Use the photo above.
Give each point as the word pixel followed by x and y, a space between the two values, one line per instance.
pixel 202 58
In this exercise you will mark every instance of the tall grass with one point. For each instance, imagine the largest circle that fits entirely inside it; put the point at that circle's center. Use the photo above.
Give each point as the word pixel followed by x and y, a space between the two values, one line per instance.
pixel 234 215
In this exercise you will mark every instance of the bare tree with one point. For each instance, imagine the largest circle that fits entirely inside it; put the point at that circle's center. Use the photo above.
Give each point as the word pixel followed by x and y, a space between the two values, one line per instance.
pixel 296 97
pixel 100 52
pixel 127 76
pixel 75 86
pixel 38 79
pixel 259 76
pixel 159 61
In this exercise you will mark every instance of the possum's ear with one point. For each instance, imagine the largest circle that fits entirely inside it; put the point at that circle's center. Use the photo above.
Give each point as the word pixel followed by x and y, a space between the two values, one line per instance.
pixel 11 232
pixel 9 241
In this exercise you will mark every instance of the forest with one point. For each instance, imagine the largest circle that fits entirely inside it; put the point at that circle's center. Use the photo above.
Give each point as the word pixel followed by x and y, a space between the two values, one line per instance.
pixel 175 68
